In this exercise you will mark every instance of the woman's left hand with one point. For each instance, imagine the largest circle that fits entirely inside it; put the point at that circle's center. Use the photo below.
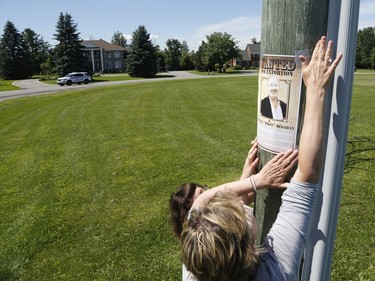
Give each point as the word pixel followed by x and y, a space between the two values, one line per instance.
pixel 251 162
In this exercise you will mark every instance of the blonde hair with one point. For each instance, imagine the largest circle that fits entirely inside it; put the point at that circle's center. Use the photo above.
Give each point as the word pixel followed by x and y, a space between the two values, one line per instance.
pixel 218 242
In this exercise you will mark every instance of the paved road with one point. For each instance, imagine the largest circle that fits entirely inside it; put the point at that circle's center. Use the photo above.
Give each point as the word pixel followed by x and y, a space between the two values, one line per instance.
pixel 34 87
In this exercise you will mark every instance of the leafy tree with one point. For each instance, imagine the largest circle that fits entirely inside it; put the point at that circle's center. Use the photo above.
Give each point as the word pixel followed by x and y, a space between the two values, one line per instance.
pixel 365 45
pixel 119 39
pixel 160 54
pixel 373 58
pixel 15 62
pixel 68 54
pixel 48 65
pixel 37 47
pixel 186 60
pixel 220 49
pixel 142 60
pixel 254 40
pixel 173 52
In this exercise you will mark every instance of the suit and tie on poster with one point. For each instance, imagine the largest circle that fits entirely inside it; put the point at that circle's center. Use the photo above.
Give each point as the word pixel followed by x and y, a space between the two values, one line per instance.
pixel 278 102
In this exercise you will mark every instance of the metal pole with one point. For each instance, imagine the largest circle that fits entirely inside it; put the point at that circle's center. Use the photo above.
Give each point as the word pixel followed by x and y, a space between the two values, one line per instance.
pixel 342 28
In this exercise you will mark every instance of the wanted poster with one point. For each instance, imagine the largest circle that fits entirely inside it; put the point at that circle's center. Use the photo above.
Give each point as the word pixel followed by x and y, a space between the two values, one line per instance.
pixel 278 102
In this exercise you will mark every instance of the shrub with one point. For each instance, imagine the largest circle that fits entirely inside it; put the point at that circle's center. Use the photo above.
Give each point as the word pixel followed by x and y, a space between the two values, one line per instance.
pixel 237 67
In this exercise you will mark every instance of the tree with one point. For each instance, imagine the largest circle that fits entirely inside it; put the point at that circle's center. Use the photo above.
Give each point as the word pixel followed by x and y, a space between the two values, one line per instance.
pixel 118 38
pixel 160 54
pixel 200 62
pixel 173 54
pixel 142 59
pixel 37 47
pixel 220 49
pixel 48 65
pixel 15 62
pixel 365 44
pixel 373 58
pixel 186 60
pixel 254 40
pixel 68 54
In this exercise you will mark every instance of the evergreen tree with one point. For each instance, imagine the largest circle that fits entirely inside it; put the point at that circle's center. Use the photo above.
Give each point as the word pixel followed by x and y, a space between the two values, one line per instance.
pixel 142 59
pixel 15 62
pixel 37 47
pixel 68 54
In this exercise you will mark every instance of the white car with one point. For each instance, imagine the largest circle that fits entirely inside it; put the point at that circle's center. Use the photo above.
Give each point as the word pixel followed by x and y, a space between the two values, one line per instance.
pixel 74 77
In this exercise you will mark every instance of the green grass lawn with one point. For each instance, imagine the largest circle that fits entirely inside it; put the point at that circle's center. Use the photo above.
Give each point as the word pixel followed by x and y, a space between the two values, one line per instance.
pixel 86 175
pixel 6 85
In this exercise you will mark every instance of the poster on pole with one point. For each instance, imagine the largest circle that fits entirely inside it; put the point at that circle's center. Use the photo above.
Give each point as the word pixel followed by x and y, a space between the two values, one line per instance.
pixel 278 102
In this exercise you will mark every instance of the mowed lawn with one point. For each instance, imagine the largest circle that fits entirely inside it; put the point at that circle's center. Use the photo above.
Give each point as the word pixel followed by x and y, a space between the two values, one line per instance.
pixel 85 176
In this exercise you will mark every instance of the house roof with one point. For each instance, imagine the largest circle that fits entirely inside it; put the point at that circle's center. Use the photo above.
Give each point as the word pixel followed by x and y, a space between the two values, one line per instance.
pixel 102 44
pixel 244 55
pixel 254 48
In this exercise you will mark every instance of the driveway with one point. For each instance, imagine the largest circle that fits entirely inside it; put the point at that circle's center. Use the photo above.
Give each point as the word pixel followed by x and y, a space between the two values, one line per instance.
pixel 31 87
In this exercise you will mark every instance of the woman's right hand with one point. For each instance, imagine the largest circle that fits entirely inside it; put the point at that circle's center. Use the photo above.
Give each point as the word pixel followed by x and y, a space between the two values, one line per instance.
pixel 274 172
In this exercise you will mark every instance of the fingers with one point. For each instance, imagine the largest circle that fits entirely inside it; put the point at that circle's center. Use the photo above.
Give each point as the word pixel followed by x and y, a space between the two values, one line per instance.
pixel 325 53
pixel 335 63
pixel 288 156
pixel 252 154
pixel 315 55
pixel 304 61
pixel 253 147
pixel 322 49
pixel 328 54
pixel 253 166
pixel 284 185
pixel 286 160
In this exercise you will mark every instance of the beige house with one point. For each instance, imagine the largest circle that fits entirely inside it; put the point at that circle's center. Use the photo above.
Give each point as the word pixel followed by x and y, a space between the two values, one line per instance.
pixel 105 57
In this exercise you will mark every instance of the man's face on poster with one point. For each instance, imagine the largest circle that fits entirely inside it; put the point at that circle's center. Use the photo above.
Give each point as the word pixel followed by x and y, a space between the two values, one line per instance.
pixel 273 87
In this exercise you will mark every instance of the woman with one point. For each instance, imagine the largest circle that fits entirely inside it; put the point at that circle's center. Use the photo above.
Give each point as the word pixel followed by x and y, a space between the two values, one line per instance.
pixel 182 199
pixel 218 238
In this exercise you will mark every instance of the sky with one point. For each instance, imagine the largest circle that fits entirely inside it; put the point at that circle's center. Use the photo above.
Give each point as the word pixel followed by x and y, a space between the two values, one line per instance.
pixel 189 20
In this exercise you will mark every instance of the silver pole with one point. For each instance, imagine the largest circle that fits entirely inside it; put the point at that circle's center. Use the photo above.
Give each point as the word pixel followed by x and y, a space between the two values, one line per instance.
pixel 342 28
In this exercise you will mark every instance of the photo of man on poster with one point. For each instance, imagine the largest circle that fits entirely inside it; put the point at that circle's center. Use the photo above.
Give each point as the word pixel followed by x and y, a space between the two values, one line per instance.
pixel 271 106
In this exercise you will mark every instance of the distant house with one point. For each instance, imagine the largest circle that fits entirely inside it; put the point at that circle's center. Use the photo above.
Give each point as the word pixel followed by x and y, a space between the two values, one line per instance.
pixel 250 56
pixel 105 57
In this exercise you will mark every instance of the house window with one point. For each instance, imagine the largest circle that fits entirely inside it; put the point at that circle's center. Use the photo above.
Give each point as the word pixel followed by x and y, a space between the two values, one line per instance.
pixel 108 55
pixel 117 64
pixel 108 64
pixel 117 54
